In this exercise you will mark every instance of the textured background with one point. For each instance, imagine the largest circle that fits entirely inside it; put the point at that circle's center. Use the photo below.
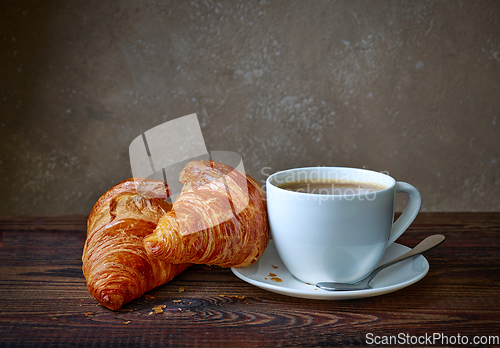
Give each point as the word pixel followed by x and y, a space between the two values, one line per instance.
pixel 406 87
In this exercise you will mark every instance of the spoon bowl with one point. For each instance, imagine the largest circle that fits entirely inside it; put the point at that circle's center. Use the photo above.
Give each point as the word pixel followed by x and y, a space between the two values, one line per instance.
pixel 425 245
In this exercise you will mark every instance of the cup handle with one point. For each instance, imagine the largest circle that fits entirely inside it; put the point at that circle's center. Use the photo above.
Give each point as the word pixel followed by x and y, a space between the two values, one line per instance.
pixel 410 212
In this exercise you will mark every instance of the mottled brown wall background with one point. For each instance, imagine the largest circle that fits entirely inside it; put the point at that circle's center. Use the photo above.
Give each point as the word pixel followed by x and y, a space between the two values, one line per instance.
pixel 408 87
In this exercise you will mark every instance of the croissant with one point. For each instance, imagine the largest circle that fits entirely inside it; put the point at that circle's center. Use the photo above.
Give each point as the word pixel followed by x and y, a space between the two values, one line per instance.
pixel 115 263
pixel 219 219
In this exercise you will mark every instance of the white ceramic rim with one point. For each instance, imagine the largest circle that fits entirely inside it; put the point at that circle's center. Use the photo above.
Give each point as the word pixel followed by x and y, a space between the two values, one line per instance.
pixel 362 170
pixel 337 295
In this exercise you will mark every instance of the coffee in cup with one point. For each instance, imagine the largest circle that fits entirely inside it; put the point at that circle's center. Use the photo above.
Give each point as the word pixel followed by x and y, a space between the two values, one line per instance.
pixel 332 187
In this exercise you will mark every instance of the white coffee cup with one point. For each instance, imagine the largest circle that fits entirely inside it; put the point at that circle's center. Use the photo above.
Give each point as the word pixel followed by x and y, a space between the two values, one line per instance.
pixel 337 238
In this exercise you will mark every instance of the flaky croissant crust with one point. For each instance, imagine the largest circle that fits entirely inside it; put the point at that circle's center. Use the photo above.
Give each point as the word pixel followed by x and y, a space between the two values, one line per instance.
pixel 115 263
pixel 219 219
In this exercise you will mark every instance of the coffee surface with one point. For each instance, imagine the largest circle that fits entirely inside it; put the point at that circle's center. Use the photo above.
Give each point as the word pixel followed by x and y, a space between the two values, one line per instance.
pixel 332 187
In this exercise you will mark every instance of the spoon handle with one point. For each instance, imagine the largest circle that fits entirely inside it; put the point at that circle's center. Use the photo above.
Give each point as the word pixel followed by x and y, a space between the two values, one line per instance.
pixel 425 245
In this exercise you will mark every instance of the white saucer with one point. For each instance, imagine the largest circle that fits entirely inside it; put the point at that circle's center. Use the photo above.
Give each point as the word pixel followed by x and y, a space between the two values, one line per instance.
pixel 391 279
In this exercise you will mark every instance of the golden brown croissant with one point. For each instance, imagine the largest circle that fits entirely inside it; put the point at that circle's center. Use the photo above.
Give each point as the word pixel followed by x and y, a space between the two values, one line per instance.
pixel 115 263
pixel 219 219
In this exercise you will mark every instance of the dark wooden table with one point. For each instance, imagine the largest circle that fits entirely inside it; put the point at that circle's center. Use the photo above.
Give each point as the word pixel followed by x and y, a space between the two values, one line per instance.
pixel 44 300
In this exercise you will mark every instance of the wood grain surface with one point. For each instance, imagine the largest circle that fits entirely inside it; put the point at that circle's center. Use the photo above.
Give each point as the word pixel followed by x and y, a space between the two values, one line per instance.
pixel 44 301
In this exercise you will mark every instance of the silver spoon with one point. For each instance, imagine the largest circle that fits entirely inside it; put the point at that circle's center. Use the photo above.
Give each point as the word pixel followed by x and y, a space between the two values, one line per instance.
pixel 427 244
